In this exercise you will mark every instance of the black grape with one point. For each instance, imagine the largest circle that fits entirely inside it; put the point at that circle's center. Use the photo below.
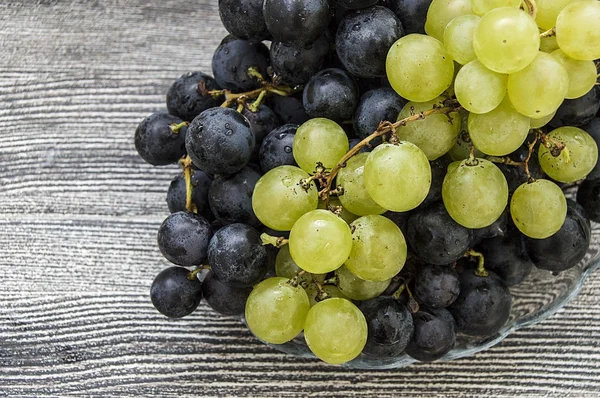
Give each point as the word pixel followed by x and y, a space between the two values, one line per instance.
pixel 435 237
pixel 434 334
pixel 225 300
pixel 593 129
pixel 588 196
pixel 276 148
pixel 355 141
pixel 262 122
pixel 176 195
pixel 363 39
pixel 412 13
pixel 296 21
pixel 173 294
pixel 289 110
pixel 390 327
pixel 183 238
pixel 244 19
pixel 331 94
pixel 187 97
pixel 233 58
pixel 483 305
pixel 437 286
pixel 295 63
pixel 579 111
pixel 157 142
pixel 400 219
pixel 375 106
pixel 498 228
pixel 356 4
pixel 236 255
pixel 230 197
pixel 439 168
pixel 220 141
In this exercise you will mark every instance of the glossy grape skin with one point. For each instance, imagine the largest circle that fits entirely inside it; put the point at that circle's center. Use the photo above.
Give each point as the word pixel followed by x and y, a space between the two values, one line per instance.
pixel 289 109
pixel 319 140
pixel 224 299
pixel 588 196
pixel 233 58
pixel 219 141
pixel 548 44
pixel 295 64
pixel 376 106
pixel 335 330
pixel 458 38
pixel 331 291
pixel 412 13
pixel 462 147
pixel 230 197
pixel 582 74
pixel 434 135
pixel 276 311
pixel 390 327
pixel 183 238
pixel 434 334
pixel 173 294
pixel 356 199
pixel 575 161
pixel 419 68
pixel 579 111
pixel 550 207
pixel 320 242
pixel 541 122
pixel 262 122
pixel 506 40
pixel 548 10
pixel 236 255
pixel 357 288
pixel 437 286
pixel 507 256
pixel 363 39
pixel 441 12
pixel 280 189
pixel 478 89
pixel 577 31
pixel 296 21
pixel 330 94
pixel 411 176
pixel 176 195
pixel 356 4
pixel 482 7
pixel 156 142
pixel 244 19
pixel 286 267
pixel 186 98
pixel 276 148
pixel 435 237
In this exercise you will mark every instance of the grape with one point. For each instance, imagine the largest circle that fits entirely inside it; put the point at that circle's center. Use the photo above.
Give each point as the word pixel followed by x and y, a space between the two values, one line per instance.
pixel 187 97
pixel 331 94
pixel 434 334
pixel 287 268
pixel 482 7
pixel 441 12
pixel 539 89
pixel 183 238
pixel 458 38
pixel 356 4
pixel 276 148
pixel 577 30
pixel 294 63
pixel 334 201
pixel 439 168
pixel 356 199
pixel 548 44
pixel 437 286
pixel 538 208
pixel 279 200
pixel 319 140
pixel 378 248
pixel 419 68
pixel 262 122
pixel 507 256
pixel 548 10
pixel 506 40
pixel 357 288
pixel 500 131
pixel 335 330
pixel 541 122
pixel 320 242
pixel 582 74
pixel 397 177
pixel 434 135
pixel 224 299
pixel 588 196
pixel 244 19
pixel 289 109
pixel 412 13
pixel 276 311
pixel 579 111
pixel 157 142
pixel 462 147
pixel 331 290
pixel 296 21
pixel 575 161
pixel 173 294
pixel 478 89
pixel 176 195
pixel 376 106
pixel 230 197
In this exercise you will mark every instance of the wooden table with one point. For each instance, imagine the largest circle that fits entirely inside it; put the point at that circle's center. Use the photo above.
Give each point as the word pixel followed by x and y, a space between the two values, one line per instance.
pixel 79 212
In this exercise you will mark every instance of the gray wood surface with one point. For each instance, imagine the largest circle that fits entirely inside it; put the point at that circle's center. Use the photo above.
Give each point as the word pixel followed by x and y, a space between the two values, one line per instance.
pixel 78 218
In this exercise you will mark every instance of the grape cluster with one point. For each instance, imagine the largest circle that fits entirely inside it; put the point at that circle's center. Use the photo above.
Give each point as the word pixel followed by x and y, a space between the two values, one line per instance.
pixel 377 177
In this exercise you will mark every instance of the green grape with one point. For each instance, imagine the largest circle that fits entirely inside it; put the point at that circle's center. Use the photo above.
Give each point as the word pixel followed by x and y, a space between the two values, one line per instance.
pixel 582 74
pixel 331 290
pixel 462 148
pixel 418 68
pixel 548 44
pixel 356 199
pixel 499 132
pixel 276 310
pixel 378 249
pixel 541 122
pixel 575 161
pixel 475 193
pixel 285 267
pixel 478 89
pixel 482 7
pixel 506 40
pixel 320 242
pixel 434 135
pixel 319 140
pixel 548 10
pixel 577 30
pixel 334 201
pixel 335 330
pixel 441 12
pixel 458 38
pixel 279 200
pixel 397 177
pixel 356 288
pixel 538 208
pixel 540 88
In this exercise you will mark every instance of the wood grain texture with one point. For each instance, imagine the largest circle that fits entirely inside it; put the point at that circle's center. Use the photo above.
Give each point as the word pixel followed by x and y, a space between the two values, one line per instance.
pixel 78 218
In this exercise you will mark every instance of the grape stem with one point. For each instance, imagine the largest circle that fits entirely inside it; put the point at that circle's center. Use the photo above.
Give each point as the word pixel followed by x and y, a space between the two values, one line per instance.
pixel 176 127
pixel 321 293
pixel 530 149
pixel 531 7
pixel 277 241
pixel 548 33
pixel 296 278
pixel 186 163
pixel 480 271
pixel 194 274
